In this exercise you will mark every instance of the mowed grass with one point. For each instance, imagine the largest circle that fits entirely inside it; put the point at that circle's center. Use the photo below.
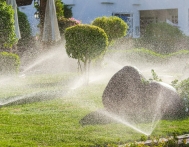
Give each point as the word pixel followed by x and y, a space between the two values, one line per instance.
pixel 57 122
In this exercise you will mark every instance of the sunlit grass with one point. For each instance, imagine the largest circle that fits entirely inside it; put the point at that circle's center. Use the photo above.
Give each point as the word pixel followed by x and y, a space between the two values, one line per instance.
pixel 16 85
pixel 57 122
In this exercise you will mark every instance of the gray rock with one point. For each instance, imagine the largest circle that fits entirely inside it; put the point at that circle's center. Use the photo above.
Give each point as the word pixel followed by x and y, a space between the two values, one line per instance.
pixel 129 95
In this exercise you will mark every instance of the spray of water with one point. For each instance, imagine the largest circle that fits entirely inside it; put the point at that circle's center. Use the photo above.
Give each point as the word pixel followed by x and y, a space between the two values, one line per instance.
pixel 50 62
pixel 125 122
pixel 112 65
pixel 146 128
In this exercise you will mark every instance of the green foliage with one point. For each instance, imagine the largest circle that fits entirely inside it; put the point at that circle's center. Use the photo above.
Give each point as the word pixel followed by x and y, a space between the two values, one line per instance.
pixel 142 55
pixel 145 55
pixel 144 138
pixel 144 81
pixel 67 11
pixel 114 26
pixel 59 8
pixel 155 76
pixel 7 28
pixel 183 89
pixel 9 63
pixel 64 23
pixel 25 31
pixel 174 83
pixel 162 38
pixel 36 5
pixel 24 25
pixel 157 142
pixel 85 42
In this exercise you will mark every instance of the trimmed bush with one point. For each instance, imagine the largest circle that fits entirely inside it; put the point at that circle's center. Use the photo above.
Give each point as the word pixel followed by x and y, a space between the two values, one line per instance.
pixel 162 38
pixel 142 55
pixel 7 28
pixel 85 42
pixel 114 26
pixel 9 63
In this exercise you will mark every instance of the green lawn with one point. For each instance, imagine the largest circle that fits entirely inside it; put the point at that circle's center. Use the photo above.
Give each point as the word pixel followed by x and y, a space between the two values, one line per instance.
pixel 58 121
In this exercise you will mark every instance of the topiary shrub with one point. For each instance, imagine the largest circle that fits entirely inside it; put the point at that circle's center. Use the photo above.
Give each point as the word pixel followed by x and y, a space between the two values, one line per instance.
pixel 9 63
pixel 85 43
pixel 114 26
pixel 7 28
pixel 162 38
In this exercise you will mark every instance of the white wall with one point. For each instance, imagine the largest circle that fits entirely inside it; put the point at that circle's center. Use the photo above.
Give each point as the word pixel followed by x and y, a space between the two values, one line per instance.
pixel 88 10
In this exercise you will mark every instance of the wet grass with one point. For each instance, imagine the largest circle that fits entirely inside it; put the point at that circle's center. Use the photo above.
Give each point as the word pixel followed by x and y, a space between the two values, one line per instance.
pixel 57 122
pixel 145 55
pixel 15 85
pixel 54 117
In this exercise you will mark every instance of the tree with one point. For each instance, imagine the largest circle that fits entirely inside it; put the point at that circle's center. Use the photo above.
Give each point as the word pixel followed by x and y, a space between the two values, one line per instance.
pixel 85 43
pixel 114 27
pixel 7 29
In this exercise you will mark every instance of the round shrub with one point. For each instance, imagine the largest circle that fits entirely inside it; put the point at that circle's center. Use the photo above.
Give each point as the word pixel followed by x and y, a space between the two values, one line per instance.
pixel 9 63
pixel 85 42
pixel 7 28
pixel 114 26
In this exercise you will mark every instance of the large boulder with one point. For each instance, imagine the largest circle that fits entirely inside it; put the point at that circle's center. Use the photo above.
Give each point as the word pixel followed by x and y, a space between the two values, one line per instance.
pixel 133 98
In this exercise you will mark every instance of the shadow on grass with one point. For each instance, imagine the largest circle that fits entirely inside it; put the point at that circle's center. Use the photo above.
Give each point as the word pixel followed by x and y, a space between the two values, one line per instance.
pixel 99 117
pixel 96 118
pixel 31 98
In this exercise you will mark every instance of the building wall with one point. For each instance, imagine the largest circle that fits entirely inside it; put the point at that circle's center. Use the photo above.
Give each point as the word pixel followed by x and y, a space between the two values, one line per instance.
pixel 88 10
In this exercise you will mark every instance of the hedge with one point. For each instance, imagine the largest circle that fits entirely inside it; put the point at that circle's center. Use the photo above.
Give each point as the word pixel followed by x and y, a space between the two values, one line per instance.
pixel 7 28
pixel 9 63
